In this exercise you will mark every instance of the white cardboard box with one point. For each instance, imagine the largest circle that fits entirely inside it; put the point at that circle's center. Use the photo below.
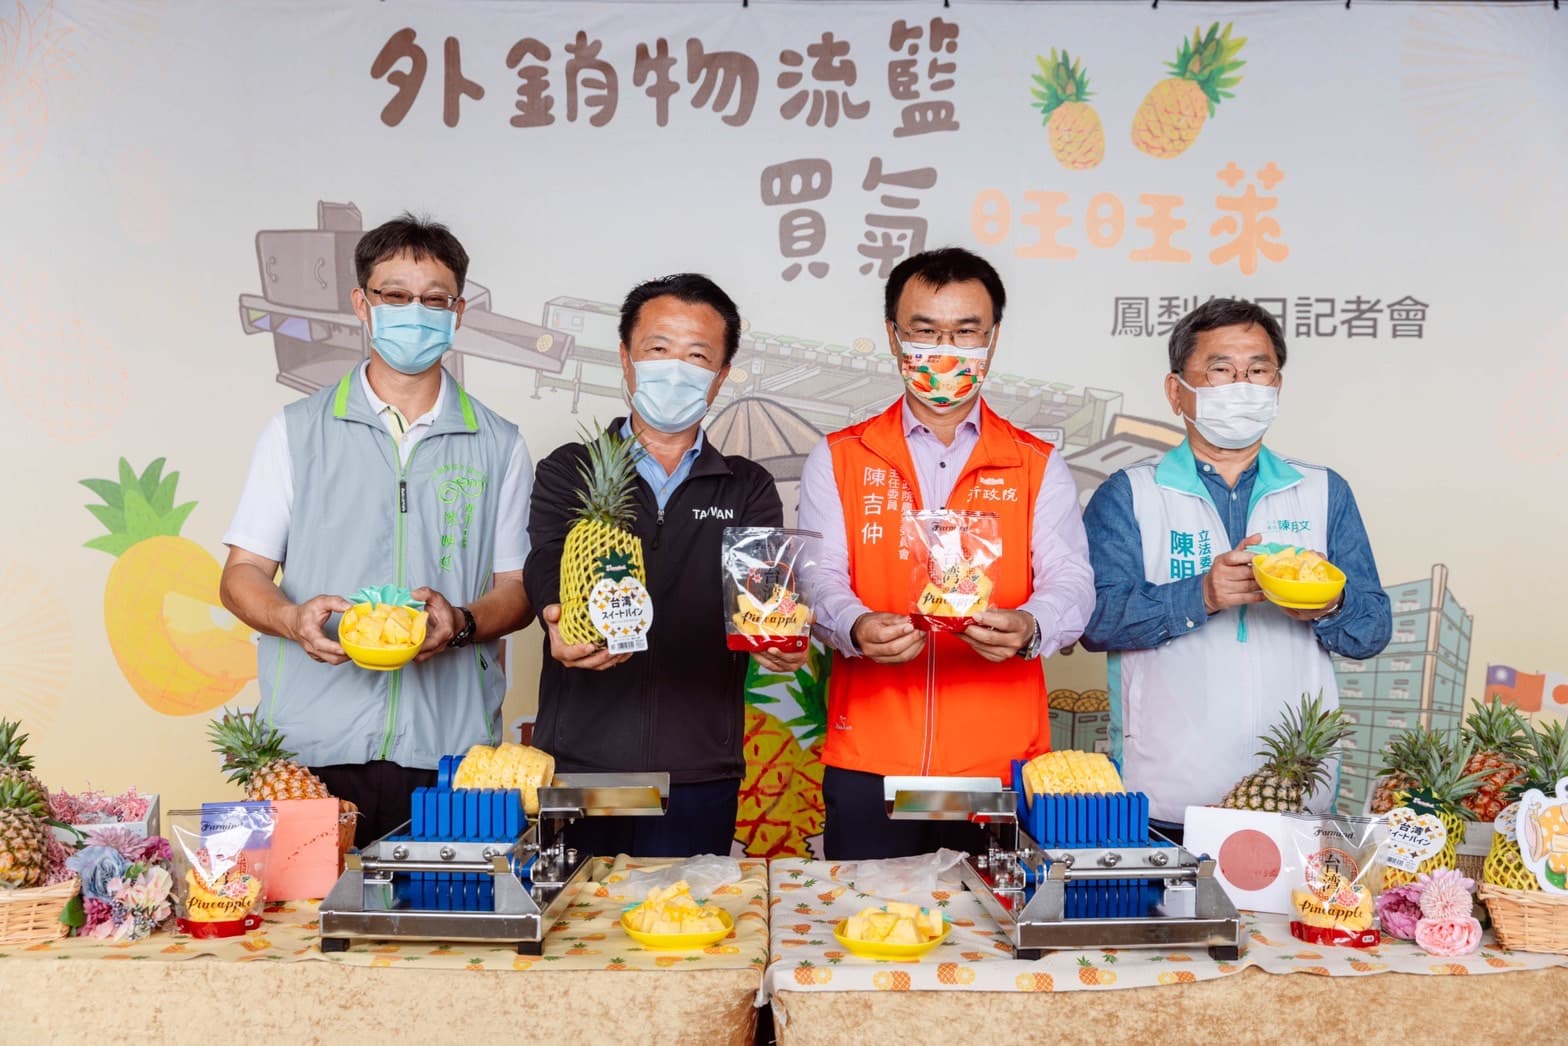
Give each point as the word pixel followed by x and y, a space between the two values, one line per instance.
pixel 148 825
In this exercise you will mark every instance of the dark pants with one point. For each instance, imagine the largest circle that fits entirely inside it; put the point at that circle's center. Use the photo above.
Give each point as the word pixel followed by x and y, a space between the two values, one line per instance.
pixel 700 820
pixel 858 827
pixel 383 792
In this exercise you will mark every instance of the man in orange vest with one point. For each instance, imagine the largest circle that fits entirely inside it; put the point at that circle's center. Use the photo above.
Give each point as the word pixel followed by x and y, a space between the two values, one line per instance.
pixel 902 701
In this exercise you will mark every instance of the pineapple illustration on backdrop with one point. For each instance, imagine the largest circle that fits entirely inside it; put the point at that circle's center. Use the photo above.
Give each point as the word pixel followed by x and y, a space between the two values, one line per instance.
pixel 781 795
pixel 1176 108
pixel 177 647
pixel 32 53
pixel 1062 95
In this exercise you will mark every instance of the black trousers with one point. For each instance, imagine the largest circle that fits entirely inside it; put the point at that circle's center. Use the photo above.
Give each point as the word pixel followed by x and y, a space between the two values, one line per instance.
pixel 382 790
pixel 859 829
pixel 700 820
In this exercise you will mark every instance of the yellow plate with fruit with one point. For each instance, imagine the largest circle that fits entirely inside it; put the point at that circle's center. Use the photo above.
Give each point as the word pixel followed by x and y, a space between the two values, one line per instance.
pixel 380 636
pixel 892 932
pixel 1297 578
pixel 677 941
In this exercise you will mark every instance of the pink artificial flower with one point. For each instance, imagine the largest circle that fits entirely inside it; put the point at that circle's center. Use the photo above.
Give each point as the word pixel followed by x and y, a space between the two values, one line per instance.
pixel 126 842
pixel 1459 936
pixel 55 870
pixel 1446 894
pixel 96 913
pixel 1399 909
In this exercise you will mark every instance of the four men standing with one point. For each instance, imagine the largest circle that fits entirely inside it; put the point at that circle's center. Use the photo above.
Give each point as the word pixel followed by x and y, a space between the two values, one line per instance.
pixel 368 481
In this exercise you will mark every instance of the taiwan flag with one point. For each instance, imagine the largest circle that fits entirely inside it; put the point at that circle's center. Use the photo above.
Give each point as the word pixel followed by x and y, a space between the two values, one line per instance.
pixel 1523 690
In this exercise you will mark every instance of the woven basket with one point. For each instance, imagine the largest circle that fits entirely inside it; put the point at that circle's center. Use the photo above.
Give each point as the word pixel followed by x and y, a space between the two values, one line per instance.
pixel 1527 920
pixel 33 914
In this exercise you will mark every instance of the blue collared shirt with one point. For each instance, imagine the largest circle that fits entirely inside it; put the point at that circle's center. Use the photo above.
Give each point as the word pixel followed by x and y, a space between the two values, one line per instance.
pixel 1131 613
pixel 663 483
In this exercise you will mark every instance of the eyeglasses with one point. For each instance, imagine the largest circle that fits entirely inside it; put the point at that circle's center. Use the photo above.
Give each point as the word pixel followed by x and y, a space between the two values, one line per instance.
pixel 1258 373
pixel 928 339
pixel 397 296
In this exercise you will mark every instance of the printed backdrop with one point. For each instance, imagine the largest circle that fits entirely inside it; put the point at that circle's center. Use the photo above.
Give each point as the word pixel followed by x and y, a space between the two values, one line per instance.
pixel 181 186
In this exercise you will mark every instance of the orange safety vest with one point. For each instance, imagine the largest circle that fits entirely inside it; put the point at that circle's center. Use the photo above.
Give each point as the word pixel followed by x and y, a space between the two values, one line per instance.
pixel 948 712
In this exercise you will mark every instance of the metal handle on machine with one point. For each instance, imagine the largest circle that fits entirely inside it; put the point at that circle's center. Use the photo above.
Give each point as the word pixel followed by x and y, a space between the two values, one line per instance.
pixel 495 864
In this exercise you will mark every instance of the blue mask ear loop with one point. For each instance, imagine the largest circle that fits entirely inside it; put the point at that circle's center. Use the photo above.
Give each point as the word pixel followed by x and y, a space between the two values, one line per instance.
pixel 1241 626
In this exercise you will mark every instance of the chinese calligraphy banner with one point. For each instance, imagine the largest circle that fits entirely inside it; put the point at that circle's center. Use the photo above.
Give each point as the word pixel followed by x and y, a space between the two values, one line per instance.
pixel 182 184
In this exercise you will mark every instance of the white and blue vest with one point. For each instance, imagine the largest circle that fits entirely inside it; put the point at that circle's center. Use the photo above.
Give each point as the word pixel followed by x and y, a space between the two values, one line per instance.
pixel 361 516
pixel 1186 716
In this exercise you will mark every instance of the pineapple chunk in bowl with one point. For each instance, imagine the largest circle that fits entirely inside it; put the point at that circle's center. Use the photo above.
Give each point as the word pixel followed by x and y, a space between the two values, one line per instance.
pixel 381 636
pixel 1297 578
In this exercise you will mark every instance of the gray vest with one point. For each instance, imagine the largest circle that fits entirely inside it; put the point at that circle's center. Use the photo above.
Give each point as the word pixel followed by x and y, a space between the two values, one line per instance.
pixel 359 518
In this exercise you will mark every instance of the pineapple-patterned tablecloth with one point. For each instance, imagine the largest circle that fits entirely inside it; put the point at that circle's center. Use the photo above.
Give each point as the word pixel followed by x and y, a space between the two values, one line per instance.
pixel 808 900
pixel 588 936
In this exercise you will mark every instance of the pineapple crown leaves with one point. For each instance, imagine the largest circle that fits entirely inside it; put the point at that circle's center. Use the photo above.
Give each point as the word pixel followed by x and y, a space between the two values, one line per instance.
pixel 609 476
pixel 1063 81
pixel 1407 750
pixel 808 686
pixel 247 743
pixel 16 794
pixel 136 507
pixel 1440 775
pixel 11 757
pixel 1296 749
pixel 1209 60
pixel 34 43
pixel 1497 727
pixel 1545 759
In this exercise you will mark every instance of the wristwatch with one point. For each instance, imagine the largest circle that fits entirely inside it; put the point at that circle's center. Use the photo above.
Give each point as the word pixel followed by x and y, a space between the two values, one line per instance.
pixel 464 635
pixel 1031 650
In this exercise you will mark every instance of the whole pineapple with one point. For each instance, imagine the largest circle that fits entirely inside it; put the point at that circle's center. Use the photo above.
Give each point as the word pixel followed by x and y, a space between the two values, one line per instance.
pixel 1175 109
pixel 14 766
pixel 255 759
pixel 1401 757
pixel 601 541
pixel 1061 94
pixel 1294 753
pixel 1545 763
pixel 1441 777
pixel 1499 733
pixel 24 835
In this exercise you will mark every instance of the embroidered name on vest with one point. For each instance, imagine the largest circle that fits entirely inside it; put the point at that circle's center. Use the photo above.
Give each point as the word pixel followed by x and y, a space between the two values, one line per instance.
pixel 1190 553
pixel 458 488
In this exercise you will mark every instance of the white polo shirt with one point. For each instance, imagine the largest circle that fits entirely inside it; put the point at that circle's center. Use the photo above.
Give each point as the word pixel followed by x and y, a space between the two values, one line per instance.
pixel 261 520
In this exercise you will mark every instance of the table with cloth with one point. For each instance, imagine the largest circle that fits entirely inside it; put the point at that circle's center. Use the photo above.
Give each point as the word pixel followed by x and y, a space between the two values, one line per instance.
pixel 591 984
pixel 970 988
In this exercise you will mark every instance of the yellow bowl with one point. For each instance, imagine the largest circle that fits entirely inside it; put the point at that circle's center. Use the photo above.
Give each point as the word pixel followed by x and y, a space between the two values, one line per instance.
pixel 678 941
pixel 1299 595
pixel 379 658
pixel 883 950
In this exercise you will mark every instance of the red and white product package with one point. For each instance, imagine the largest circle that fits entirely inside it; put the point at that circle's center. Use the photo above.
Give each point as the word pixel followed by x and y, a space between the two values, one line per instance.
pixel 1341 875
pixel 950 555
pixel 766 605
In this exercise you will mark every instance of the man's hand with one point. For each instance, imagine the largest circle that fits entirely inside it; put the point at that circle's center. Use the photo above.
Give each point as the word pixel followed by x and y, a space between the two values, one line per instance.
pixel 591 656
pixel 888 639
pixel 442 622
pixel 997 635
pixel 1313 615
pixel 781 662
pixel 1229 582
pixel 303 622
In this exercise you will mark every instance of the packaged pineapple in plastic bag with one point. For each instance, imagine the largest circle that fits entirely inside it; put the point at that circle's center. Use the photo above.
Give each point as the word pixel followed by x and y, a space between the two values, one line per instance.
pixel 220 859
pixel 1341 864
pixel 766 606
pixel 950 554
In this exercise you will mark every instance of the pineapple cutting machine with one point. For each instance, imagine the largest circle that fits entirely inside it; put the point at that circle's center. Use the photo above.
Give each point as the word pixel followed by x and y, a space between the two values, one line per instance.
pixel 470 866
pixel 1097 878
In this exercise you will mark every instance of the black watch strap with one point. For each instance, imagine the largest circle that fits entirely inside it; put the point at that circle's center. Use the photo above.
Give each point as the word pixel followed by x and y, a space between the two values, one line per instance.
pixel 465 635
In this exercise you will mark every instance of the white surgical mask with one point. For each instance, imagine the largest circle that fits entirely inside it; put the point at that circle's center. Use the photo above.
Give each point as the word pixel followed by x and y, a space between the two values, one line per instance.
pixel 1236 415
pixel 672 395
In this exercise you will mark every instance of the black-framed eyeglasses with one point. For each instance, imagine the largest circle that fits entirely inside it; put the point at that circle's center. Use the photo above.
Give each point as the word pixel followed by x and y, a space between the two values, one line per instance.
pixel 438 300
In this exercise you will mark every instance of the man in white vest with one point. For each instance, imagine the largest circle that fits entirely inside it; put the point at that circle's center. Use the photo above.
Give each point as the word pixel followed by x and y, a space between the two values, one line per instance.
pixel 1199 665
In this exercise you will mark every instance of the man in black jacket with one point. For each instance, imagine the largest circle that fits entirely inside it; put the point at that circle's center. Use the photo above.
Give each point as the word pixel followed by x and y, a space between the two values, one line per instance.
pixel 678 705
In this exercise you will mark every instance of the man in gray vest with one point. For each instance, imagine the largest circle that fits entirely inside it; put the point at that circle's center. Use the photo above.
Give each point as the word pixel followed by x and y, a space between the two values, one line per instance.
pixel 392 476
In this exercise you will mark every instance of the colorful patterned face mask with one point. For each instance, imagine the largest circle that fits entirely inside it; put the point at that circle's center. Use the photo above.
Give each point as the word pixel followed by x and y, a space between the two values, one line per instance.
pixel 942 377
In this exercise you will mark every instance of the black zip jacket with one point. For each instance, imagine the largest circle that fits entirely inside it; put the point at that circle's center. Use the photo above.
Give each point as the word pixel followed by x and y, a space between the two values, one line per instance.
pixel 678 705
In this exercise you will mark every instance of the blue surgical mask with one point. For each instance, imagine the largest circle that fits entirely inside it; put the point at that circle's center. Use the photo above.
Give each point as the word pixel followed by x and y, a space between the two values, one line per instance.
pixel 411 338
pixel 672 395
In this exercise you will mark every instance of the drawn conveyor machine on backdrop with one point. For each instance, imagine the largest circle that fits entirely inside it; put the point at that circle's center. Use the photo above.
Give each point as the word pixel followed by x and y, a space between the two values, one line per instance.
pixel 307 278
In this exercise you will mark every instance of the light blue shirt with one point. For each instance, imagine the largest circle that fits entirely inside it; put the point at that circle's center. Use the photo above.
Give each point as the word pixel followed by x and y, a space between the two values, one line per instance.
pixel 648 467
